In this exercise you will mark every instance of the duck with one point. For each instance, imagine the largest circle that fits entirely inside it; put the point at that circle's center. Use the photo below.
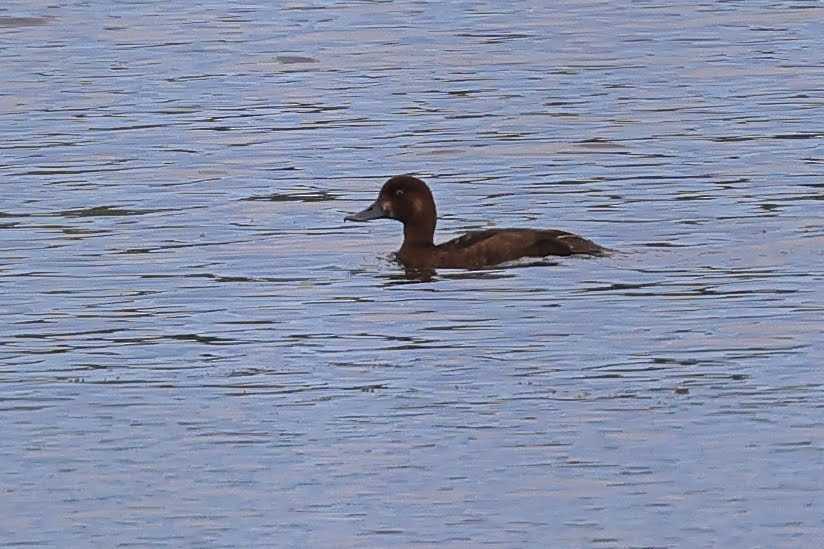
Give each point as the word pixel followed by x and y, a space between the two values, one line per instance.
pixel 409 200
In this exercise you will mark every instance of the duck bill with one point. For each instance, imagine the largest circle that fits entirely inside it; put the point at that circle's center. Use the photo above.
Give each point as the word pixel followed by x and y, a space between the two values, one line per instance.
pixel 375 211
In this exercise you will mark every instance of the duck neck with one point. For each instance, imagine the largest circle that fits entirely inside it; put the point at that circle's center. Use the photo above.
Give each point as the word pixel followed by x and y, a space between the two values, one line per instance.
pixel 418 234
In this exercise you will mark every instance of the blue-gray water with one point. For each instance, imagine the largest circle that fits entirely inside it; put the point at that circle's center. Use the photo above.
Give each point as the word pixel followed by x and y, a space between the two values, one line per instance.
pixel 195 351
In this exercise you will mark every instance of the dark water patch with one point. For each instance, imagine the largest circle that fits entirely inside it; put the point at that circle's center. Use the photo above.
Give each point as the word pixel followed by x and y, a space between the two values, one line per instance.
pixel 49 335
pixel 63 170
pixel 105 211
pixel 205 339
pixel 7 21
pixel 297 196
pixel 780 136
pixel 295 59
pixel 621 286
pixel 179 245
pixel 665 245
pixel 128 127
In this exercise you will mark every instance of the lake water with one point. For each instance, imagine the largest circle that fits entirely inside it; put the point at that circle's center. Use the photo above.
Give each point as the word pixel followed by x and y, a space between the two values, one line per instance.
pixel 196 351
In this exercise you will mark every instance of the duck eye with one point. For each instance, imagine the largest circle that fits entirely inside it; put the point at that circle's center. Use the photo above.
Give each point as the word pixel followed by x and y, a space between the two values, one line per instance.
pixel 399 192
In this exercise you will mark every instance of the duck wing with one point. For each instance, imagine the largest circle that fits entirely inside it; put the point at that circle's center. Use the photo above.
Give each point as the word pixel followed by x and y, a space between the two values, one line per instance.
pixel 514 243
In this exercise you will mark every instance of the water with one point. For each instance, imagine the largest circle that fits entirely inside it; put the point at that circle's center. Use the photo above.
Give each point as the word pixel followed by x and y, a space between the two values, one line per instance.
pixel 196 351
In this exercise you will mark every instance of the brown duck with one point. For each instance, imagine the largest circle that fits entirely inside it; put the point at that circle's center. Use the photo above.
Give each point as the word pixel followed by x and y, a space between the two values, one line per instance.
pixel 409 200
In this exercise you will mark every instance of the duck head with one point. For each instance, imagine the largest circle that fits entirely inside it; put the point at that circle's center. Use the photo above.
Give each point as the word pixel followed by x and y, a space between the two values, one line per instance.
pixel 409 200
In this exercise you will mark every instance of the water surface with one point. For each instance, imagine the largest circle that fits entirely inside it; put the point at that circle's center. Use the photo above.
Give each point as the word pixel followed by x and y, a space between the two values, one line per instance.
pixel 196 351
